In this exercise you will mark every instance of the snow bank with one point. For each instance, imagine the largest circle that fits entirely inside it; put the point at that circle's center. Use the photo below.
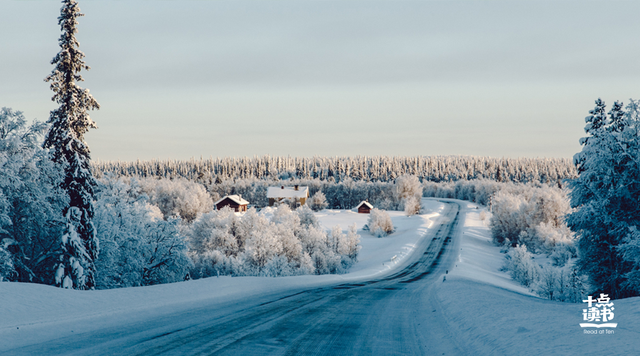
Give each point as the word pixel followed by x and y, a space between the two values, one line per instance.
pixel 494 315
pixel 479 259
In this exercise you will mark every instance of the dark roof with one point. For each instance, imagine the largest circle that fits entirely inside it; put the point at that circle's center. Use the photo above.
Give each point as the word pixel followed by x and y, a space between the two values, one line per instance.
pixel 235 198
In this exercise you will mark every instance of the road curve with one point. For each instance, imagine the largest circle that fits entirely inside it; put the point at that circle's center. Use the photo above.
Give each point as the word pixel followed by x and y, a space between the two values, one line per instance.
pixel 397 314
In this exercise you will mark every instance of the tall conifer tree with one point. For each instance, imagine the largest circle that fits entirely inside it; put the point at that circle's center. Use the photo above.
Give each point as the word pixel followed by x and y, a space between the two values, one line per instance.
pixel 65 139
pixel 606 198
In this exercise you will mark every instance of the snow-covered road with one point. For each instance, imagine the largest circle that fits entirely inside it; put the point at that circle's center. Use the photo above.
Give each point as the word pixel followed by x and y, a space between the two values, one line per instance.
pixel 396 313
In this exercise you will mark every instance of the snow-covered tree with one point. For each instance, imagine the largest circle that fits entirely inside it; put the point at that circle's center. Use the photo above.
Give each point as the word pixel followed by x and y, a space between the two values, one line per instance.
pixel 337 169
pixel 138 247
pixel 353 242
pixel 307 217
pixel 65 139
pixel 379 223
pixel 549 283
pixel 6 265
pixel 214 231
pixel 408 192
pixel 575 288
pixel 261 247
pixel 274 242
pixel 336 239
pixel 520 265
pixel 412 206
pixel 408 186
pixel 318 201
pixel 606 196
pixel 164 253
pixel 30 200
pixel 532 216
pixel 178 197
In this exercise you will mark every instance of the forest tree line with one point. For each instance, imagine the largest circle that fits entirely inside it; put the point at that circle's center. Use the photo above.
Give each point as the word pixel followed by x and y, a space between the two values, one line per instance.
pixel 359 168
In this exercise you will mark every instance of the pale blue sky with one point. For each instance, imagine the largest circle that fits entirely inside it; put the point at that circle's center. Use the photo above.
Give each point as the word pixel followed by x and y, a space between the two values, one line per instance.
pixel 181 79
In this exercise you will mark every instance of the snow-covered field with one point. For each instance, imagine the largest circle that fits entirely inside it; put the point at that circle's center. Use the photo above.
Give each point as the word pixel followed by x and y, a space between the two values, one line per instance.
pixel 32 313
pixel 494 315
pixel 486 311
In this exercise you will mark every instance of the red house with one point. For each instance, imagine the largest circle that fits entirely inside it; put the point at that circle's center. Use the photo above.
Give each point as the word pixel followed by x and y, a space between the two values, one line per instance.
pixel 235 202
pixel 364 207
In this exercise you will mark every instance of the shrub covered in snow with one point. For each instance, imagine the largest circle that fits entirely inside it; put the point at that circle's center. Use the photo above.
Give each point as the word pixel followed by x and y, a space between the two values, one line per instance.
pixel 274 242
pixel 318 201
pixel 6 265
pixel 561 284
pixel 533 216
pixel 527 220
pixel 412 206
pixel 379 223
pixel 138 247
pixel 408 192
pixel 31 201
pixel 307 217
pixel 177 198
pixel 520 265
pixel 554 282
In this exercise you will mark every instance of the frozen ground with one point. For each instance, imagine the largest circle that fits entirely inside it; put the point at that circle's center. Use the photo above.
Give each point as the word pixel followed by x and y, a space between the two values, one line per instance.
pixel 479 307
pixel 31 313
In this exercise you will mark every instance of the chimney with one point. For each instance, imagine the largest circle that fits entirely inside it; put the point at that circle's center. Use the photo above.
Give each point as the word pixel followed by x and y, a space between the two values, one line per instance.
pixel 295 187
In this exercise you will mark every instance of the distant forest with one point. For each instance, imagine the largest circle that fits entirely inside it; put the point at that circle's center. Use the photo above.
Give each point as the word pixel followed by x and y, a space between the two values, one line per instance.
pixel 336 169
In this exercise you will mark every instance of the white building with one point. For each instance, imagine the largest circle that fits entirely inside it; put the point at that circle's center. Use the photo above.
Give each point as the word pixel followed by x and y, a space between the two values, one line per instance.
pixel 296 195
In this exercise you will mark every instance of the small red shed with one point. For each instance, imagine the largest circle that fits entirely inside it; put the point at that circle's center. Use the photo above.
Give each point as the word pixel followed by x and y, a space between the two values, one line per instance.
pixel 235 202
pixel 364 207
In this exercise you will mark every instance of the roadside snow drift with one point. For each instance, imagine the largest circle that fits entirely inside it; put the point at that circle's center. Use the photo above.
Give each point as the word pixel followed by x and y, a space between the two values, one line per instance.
pixel 494 315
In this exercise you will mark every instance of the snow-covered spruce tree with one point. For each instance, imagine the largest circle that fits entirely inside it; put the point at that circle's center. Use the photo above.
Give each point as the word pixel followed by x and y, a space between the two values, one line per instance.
pixel 630 248
pixel 606 196
pixel 78 246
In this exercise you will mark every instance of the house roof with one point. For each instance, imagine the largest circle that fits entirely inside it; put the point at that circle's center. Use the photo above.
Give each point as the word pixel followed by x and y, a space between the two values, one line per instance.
pixel 287 192
pixel 235 198
pixel 366 203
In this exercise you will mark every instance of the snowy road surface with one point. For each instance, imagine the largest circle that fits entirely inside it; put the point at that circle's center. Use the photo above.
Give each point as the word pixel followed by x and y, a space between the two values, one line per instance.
pixel 393 314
